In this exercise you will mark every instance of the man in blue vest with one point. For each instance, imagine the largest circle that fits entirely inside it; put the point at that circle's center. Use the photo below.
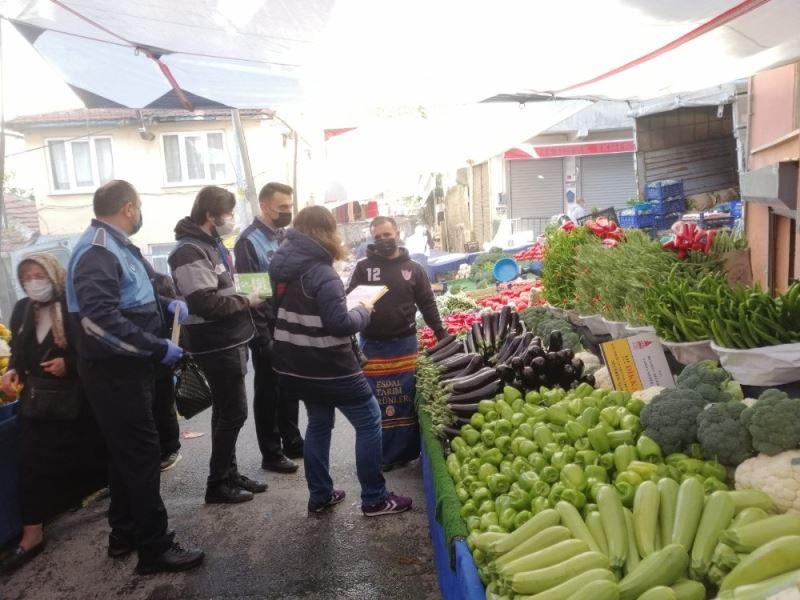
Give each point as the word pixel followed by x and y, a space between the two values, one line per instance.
pixel 276 419
pixel 118 319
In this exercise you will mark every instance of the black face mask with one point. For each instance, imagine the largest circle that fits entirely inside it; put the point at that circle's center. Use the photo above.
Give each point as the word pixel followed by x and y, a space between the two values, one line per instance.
pixel 386 246
pixel 283 219
pixel 138 225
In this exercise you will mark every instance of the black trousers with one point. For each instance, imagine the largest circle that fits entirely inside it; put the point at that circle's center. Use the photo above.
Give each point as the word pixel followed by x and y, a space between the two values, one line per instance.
pixel 164 411
pixel 120 392
pixel 225 371
pixel 276 417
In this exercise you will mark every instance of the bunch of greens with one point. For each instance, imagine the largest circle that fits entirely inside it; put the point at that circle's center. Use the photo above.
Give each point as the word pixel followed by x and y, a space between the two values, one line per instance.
pixel 559 270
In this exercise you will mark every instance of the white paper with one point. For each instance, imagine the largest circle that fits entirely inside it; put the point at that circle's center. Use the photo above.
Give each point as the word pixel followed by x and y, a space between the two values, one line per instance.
pixel 365 294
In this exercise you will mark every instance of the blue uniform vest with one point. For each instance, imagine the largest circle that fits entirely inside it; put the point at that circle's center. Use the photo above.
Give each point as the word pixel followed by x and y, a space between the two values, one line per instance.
pixel 264 247
pixel 136 289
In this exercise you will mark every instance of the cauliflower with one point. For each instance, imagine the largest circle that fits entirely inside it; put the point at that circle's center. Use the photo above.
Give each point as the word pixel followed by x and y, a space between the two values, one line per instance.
pixel 602 379
pixel 671 419
pixel 647 395
pixel 721 434
pixel 774 422
pixel 777 476
pixel 589 359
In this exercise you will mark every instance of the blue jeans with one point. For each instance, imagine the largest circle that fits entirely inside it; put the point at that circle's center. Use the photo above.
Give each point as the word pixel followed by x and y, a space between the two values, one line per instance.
pixel 365 417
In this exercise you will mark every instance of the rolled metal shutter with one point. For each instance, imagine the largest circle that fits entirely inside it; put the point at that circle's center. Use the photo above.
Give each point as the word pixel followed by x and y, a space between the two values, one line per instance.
pixel 607 180
pixel 537 188
pixel 703 166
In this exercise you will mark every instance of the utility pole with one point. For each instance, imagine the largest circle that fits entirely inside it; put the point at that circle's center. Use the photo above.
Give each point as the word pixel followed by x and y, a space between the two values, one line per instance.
pixel 249 184
pixel 2 139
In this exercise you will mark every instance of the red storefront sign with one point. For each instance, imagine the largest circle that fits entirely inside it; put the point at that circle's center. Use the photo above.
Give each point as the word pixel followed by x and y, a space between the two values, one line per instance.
pixel 579 149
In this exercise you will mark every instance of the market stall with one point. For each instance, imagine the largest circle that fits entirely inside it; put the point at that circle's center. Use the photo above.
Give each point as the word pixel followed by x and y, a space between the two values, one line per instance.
pixel 567 488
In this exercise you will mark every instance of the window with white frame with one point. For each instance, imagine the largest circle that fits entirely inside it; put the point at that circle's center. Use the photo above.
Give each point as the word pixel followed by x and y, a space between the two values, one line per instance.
pixel 194 157
pixel 79 165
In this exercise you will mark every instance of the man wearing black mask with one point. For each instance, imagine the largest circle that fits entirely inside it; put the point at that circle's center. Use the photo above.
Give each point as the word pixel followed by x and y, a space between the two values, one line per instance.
pixel 390 339
pixel 277 429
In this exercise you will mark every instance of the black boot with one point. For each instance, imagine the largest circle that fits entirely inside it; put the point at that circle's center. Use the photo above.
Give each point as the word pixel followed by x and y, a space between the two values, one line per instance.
pixel 280 464
pixel 227 493
pixel 255 487
pixel 175 558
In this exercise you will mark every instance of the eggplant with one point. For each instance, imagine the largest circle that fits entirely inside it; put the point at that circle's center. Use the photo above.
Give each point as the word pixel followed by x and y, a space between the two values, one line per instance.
pixel 577 364
pixel 462 420
pixel 566 355
pixel 516 364
pixel 509 348
pixel 516 324
pixel 475 363
pixel 588 379
pixel 464 409
pixel 552 364
pixel 529 379
pixel 537 340
pixel 477 338
pixel 451 432
pixel 469 343
pixel 455 363
pixel 556 342
pixel 524 345
pixel 532 352
pixel 503 349
pixel 487 321
pixel 506 373
pixel 567 376
pixel 538 364
pixel 503 323
pixel 487 392
pixel 479 379
pixel 445 341
pixel 446 352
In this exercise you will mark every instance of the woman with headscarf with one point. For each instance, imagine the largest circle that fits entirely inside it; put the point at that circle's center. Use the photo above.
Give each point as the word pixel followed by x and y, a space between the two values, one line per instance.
pixel 62 455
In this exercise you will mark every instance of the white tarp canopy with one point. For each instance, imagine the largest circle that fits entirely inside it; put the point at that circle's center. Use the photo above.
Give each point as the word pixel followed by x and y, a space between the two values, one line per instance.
pixel 336 54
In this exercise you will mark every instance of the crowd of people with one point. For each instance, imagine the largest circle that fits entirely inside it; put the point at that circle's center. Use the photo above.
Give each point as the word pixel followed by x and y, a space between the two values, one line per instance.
pixel 93 354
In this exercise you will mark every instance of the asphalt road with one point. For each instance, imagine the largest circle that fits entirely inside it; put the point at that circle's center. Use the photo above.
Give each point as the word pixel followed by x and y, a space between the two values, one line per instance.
pixel 267 548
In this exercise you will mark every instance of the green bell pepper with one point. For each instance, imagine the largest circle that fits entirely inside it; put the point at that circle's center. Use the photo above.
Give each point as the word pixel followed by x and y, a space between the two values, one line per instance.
pixel 525 430
pixel 485 471
pixel 543 436
pixel 488 436
pixel 610 416
pixel 627 493
pixel 556 491
pixel 697 476
pixel 492 416
pixel 594 488
pixel 487 506
pixel 560 437
pixel 573 476
pixel 629 477
pixel 469 509
pixel 596 473
pixel 548 450
pixel 517 404
pixel 575 407
pixel 510 393
pixel 477 420
pixel 503 443
pixel 526 447
pixel 570 452
pixel 554 396
pixel 527 479
pixel 712 484
pixel 549 475
pixel 539 488
pixel 539 504
pixel 537 413
pixel 674 458
pixel 692 466
pixel 498 483
pixel 462 493
pixel 635 406
pixel 587 457
pixel 589 417
pixel 473 466
pixel 582 444
pixel 588 508
pixel 618 398
pixel 648 449
pixel 458 442
pixel 583 390
pixel 502 502
pixel 559 460
pixel 523 516
pixel 623 456
pixel 537 461
pixel 472 436
pixel 473 523
pixel 507 469
pixel 507 519
pixel 515 445
pixel 493 456
pixel 533 397
pixel 503 427
pixel 519 499
pixel 631 423
pixel 518 418
pixel 495 529
pixel 643 469
pixel 574 497
pixel 519 465
pixel 486 406
pixel 598 438
pixel 674 473
pixel 606 461
pixel 618 438
pixel 476 485
pixel 489 519
pixel 712 468
pixel 575 430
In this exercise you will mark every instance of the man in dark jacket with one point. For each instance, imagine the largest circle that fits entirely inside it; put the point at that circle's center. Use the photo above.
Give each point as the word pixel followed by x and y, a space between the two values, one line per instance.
pixel 276 418
pixel 390 340
pixel 216 333
pixel 118 319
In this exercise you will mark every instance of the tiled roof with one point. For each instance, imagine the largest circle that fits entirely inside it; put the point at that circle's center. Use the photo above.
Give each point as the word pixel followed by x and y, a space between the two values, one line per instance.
pixel 122 114
pixel 23 223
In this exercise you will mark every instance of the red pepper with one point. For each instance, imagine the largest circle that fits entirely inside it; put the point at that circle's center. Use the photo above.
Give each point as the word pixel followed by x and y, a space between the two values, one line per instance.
pixel 568 226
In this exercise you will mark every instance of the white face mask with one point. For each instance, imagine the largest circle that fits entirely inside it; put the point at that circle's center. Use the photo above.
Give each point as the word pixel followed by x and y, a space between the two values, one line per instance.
pixel 39 290
pixel 226 228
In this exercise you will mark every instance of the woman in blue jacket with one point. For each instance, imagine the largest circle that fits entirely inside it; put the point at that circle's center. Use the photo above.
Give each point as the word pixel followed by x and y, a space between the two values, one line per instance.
pixel 313 355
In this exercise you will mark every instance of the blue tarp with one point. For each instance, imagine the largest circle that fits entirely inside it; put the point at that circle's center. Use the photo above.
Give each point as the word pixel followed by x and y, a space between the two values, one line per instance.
pixel 461 582
pixel 446 262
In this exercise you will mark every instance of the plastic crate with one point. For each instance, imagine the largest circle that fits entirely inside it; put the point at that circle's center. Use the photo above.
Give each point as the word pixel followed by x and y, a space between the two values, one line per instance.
pixel 668 206
pixel 707 223
pixel 661 190
pixel 629 218
pixel 666 221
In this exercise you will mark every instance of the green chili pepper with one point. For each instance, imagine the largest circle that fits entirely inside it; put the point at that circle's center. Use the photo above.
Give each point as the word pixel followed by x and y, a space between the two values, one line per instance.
pixel 539 504
pixel 549 475
pixel 597 473
pixel 598 438
pixel 573 477
pixel 712 468
pixel 556 490
pixel 574 430
pixel 498 483
pixel 522 517
pixel 574 497
pixel 648 449
pixel 587 457
pixel 589 417
pixel 623 456
pixel 627 492
pixel 644 470
pixel 619 438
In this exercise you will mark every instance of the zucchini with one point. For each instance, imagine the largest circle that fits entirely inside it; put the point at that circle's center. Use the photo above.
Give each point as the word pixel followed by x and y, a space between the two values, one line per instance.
pixel 747 538
pixel 752 498
pixel 688 510
pixel 567 589
pixel 546 557
pixel 717 515
pixel 645 517
pixel 600 589
pixel 536 524
pixel 633 555
pixel 571 518
pixel 484 540
pixel 544 539
pixel 774 558
pixel 610 505
pixel 594 522
pixel 663 567
pixel 686 589
pixel 660 592
pixel 763 589
pixel 667 501
pixel 540 580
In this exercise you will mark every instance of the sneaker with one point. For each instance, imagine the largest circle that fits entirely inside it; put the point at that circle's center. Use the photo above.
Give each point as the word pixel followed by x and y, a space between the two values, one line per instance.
pixel 226 493
pixel 255 487
pixel 280 464
pixel 170 460
pixel 318 507
pixel 393 504
pixel 176 558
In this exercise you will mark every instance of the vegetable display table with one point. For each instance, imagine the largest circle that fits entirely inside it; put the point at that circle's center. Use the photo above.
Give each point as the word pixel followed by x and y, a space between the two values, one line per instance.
pixel 10 524
pixel 446 262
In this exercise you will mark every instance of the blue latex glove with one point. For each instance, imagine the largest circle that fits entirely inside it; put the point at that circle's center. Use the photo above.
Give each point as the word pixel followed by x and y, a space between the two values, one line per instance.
pixel 174 352
pixel 181 307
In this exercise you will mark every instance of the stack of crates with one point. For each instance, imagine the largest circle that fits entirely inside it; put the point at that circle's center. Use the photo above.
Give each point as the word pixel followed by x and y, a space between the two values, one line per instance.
pixel 664 206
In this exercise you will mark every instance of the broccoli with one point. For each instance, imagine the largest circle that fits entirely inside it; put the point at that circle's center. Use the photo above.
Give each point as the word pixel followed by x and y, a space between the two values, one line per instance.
pixel 705 371
pixel 722 435
pixel 774 422
pixel 710 392
pixel 671 419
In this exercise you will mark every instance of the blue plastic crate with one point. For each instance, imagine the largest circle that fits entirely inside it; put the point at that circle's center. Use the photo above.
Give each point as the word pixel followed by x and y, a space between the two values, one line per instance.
pixel 643 208
pixel 668 206
pixel 666 221
pixel 629 218
pixel 707 223
pixel 661 190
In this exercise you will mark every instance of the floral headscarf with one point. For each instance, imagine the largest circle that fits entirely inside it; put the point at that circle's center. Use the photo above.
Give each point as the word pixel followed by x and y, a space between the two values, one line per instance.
pixel 57 276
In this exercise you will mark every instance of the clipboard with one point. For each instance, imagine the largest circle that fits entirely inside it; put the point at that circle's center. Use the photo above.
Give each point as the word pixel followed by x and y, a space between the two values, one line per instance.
pixel 176 327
